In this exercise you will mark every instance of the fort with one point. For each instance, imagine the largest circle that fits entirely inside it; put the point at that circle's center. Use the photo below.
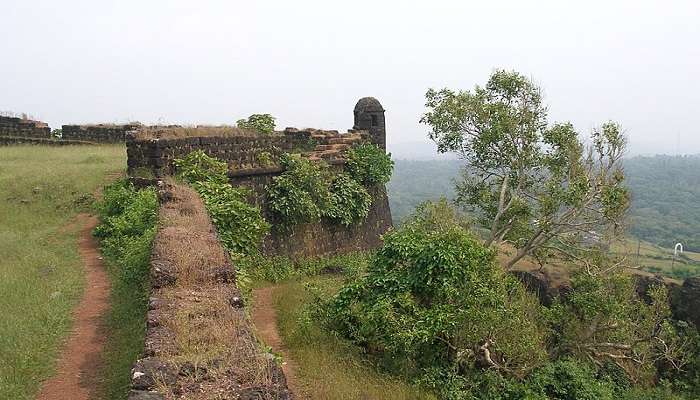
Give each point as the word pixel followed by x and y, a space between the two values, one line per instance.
pixel 151 151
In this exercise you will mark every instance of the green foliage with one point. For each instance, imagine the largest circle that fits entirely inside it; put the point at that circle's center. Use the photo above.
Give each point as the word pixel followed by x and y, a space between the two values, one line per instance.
pixel 263 123
pixel 265 159
pixel 302 193
pixel 533 185
pixel 127 229
pixel 350 201
pixel 308 191
pixel 197 166
pixel 369 164
pixel 435 296
pixel 603 320
pixel 240 225
pixel 128 220
pixel 278 269
pixel 568 379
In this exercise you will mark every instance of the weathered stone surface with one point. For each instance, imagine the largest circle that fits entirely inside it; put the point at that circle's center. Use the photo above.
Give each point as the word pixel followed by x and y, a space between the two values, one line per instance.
pixel 263 392
pixel 537 283
pixel 102 133
pixel 236 302
pixel 145 395
pixel 162 274
pixel 24 128
pixel 224 274
pixel 148 371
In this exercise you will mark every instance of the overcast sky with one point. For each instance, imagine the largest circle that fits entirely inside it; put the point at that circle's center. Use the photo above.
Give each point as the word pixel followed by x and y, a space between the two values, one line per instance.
pixel 307 62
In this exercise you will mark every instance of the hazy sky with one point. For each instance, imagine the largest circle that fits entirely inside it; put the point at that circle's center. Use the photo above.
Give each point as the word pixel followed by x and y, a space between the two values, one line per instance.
pixel 307 62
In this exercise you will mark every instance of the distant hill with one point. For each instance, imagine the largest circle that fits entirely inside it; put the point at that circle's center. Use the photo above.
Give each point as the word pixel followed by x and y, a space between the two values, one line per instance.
pixel 665 199
pixel 665 194
pixel 415 181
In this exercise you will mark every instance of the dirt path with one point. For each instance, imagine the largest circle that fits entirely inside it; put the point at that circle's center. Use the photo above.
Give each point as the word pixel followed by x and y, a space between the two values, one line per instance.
pixel 265 321
pixel 76 377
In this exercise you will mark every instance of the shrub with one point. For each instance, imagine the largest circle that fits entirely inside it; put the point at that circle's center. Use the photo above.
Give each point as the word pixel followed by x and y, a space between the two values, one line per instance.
pixel 126 212
pixel 569 379
pixel 301 194
pixel 350 201
pixel 197 166
pixel 263 123
pixel 240 225
pixel 127 228
pixel 602 319
pixel 437 298
pixel 369 164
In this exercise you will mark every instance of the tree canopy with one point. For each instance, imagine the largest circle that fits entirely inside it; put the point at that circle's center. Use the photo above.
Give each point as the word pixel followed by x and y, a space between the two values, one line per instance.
pixel 533 184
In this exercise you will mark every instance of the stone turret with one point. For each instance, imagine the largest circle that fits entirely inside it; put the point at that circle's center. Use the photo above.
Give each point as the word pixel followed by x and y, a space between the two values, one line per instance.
pixel 369 116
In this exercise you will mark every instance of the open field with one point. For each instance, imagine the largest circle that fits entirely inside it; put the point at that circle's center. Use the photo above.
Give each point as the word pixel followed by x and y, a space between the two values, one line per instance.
pixel 41 279
pixel 657 259
pixel 329 367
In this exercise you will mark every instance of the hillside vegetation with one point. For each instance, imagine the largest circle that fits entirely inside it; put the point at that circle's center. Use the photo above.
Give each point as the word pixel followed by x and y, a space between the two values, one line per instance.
pixel 665 190
pixel 665 199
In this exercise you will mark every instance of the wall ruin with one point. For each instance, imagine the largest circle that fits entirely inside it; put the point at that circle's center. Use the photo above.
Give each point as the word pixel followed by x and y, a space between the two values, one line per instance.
pixel 242 152
pixel 24 128
pixel 101 133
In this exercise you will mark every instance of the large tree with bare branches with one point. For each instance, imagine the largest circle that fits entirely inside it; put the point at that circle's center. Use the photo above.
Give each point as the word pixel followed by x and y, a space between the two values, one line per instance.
pixel 533 184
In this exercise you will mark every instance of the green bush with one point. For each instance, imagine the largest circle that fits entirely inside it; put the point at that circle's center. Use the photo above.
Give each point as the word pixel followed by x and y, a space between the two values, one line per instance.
pixel 263 123
pixel 568 379
pixel 127 229
pixel 302 193
pixel 350 201
pixel 240 225
pixel 369 165
pixel 197 166
pixel 437 298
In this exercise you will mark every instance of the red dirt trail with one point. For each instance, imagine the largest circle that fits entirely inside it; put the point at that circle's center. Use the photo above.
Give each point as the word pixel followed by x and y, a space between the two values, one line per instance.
pixel 265 322
pixel 76 377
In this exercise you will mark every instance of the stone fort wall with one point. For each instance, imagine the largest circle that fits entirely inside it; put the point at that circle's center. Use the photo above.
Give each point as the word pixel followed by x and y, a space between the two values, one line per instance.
pixel 101 133
pixel 247 167
pixel 24 128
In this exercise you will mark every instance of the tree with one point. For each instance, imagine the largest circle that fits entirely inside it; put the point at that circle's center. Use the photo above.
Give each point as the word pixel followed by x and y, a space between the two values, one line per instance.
pixel 533 185
pixel 263 123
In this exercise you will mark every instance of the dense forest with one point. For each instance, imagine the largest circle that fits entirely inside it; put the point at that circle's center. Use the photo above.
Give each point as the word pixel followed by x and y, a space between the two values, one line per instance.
pixel 665 194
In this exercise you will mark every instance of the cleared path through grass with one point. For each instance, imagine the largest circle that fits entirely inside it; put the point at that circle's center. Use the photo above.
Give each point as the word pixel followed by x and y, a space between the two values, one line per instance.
pixel 42 190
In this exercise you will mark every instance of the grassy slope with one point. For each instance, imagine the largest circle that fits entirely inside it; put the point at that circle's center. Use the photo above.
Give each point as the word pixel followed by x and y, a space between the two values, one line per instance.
pixel 330 368
pixel 40 274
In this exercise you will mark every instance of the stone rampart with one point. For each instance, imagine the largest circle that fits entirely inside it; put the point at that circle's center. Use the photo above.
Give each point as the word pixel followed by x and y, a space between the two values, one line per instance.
pixel 25 128
pixel 101 133
pixel 248 156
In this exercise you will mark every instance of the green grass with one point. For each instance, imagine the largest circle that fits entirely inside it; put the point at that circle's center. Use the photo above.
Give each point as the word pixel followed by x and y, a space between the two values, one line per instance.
pixel 41 279
pixel 657 259
pixel 329 367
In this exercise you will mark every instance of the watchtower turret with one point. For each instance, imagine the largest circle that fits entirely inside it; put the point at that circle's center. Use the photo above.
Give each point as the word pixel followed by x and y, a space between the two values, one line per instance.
pixel 369 116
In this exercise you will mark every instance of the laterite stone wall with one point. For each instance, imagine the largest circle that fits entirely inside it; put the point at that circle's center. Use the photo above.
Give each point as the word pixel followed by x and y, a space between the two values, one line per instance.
pixel 102 133
pixel 25 128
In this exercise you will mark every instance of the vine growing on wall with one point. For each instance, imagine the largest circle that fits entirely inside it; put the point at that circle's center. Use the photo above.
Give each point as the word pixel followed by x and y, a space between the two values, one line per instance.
pixel 308 191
